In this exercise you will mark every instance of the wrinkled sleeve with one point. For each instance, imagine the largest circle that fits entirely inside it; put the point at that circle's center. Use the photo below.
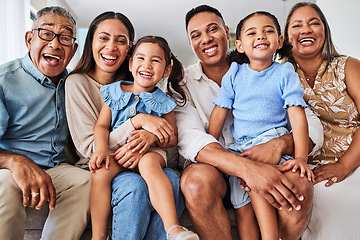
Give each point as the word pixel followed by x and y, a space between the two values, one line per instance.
pixel 4 115
pixel 292 91
pixel 192 135
pixel 83 106
pixel 226 96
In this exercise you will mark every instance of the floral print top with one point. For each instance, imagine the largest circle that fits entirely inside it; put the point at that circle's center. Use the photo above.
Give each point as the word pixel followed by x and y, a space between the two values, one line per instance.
pixel 337 111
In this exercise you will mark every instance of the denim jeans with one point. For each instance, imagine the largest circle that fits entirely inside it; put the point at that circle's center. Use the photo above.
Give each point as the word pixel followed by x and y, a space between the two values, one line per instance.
pixel 133 215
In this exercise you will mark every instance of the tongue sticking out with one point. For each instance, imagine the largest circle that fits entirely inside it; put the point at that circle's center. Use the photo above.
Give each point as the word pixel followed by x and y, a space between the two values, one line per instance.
pixel 51 59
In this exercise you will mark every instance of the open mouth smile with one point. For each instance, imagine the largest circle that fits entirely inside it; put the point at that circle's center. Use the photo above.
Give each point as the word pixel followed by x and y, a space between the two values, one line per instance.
pixel 109 58
pixel 261 46
pixel 145 74
pixel 306 40
pixel 51 58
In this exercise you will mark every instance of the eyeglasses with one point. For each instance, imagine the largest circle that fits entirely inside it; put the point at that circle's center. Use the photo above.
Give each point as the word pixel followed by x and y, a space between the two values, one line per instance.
pixel 48 35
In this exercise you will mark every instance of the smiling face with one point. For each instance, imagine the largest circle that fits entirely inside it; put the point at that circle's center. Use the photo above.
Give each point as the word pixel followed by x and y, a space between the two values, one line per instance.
pixel 110 46
pixel 306 33
pixel 208 38
pixel 259 40
pixel 51 58
pixel 148 67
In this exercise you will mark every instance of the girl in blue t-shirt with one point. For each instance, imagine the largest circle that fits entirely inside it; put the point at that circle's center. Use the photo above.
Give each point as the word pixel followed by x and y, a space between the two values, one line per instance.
pixel 151 60
pixel 259 91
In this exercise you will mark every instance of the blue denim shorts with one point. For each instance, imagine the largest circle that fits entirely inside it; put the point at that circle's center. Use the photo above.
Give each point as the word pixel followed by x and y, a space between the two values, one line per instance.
pixel 238 196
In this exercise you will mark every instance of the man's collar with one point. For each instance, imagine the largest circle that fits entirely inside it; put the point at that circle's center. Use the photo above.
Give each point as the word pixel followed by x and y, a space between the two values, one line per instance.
pixel 33 71
pixel 198 74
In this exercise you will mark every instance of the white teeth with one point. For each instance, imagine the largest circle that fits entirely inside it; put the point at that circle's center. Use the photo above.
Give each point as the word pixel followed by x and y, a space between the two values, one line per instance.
pixel 52 56
pixel 210 49
pixel 307 40
pixel 261 46
pixel 145 74
pixel 109 58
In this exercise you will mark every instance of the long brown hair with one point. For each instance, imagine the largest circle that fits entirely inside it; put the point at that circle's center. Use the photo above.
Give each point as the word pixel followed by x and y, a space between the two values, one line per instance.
pixel 87 62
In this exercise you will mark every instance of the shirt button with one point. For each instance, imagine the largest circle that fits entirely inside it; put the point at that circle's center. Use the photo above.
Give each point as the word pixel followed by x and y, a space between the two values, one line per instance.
pixel 136 98
pixel 225 129
pixel 132 111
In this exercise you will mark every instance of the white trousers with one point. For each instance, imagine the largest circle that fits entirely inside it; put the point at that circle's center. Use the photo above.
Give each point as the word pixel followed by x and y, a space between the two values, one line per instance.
pixel 336 211
pixel 70 216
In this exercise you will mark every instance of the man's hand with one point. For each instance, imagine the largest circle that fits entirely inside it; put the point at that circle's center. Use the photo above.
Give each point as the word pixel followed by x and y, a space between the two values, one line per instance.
pixel 35 184
pixel 268 181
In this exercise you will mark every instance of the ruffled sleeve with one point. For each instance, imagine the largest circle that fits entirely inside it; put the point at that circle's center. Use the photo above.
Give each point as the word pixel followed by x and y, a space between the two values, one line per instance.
pixel 114 96
pixel 292 91
pixel 225 98
pixel 158 101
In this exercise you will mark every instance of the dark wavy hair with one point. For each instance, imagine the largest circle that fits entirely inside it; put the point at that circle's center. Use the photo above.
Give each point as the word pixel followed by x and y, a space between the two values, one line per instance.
pixel 177 72
pixel 87 62
pixel 241 58
pixel 328 52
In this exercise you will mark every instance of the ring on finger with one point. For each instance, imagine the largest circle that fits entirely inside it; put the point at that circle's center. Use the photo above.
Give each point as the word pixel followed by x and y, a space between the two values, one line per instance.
pixel 129 163
pixel 333 179
pixel 34 194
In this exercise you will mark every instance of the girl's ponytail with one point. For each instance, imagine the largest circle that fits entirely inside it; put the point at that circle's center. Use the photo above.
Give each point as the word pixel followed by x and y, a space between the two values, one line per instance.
pixel 173 82
pixel 235 56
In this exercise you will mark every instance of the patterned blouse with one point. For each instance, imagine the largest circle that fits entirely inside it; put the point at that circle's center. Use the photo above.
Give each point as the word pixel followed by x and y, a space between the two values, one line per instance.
pixel 337 111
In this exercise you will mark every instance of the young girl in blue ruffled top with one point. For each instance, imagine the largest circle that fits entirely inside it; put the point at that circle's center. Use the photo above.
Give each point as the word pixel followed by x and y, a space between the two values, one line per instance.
pixel 259 91
pixel 151 60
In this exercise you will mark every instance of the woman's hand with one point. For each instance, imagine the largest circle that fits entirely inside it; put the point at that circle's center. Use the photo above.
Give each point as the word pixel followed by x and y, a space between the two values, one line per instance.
pixel 328 172
pixel 161 128
pixel 97 160
pixel 300 164
pixel 141 141
pixel 126 157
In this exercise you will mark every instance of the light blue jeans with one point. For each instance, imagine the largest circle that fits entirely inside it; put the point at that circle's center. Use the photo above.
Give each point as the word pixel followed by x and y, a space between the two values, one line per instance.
pixel 133 215
pixel 238 196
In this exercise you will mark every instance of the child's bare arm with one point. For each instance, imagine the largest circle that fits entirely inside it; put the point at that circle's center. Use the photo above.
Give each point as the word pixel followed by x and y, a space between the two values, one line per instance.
pixel 300 131
pixel 300 135
pixel 217 120
pixel 172 141
pixel 101 136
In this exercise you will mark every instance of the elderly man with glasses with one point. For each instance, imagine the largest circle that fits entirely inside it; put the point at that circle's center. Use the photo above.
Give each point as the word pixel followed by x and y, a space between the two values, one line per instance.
pixel 34 132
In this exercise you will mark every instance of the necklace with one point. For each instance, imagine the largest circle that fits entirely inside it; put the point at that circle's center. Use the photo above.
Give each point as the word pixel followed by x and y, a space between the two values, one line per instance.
pixel 308 77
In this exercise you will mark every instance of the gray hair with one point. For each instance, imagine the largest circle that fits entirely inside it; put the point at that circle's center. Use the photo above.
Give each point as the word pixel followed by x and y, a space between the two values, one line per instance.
pixel 55 10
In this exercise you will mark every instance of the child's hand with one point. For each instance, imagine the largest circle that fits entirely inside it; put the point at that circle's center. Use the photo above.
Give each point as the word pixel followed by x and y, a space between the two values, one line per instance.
pixel 301 165
pixel 97 160
pixel 141 140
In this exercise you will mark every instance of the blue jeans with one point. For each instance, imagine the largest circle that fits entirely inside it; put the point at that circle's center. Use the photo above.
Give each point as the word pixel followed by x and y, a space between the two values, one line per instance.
pixel 133 215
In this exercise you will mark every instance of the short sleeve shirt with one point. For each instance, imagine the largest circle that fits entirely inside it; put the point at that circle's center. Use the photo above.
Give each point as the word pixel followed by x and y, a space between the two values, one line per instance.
pixel 259 99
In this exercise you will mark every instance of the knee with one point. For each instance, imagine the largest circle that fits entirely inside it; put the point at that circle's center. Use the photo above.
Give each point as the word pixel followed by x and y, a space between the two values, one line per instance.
pixel 307 189
pixel 9 191
pixel 100 177
pixel 197 191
